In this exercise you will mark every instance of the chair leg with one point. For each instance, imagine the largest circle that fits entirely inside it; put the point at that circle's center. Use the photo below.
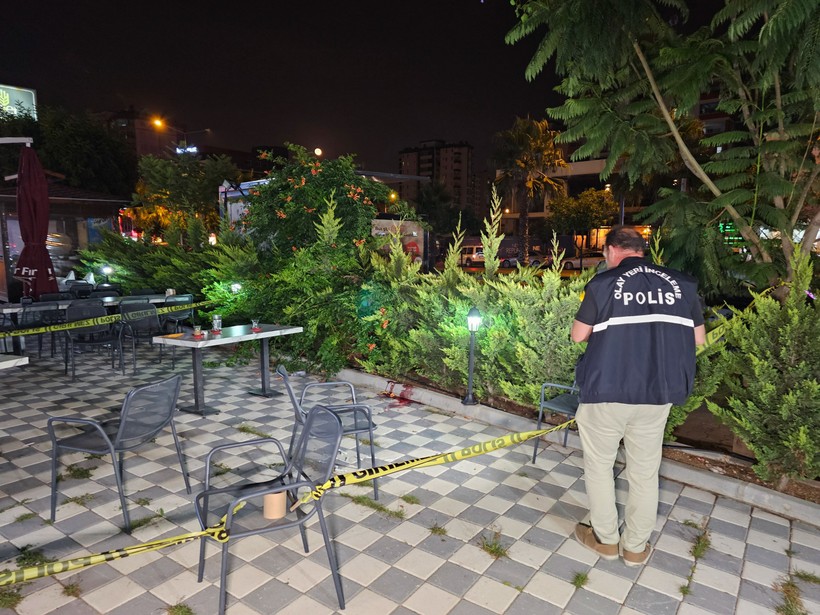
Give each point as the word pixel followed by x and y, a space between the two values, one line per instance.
pixel 537 440
pixel 223 573
pixel 373 464
pixel 181 459
pixel 54 456
pixel 331 558
pixel 117 459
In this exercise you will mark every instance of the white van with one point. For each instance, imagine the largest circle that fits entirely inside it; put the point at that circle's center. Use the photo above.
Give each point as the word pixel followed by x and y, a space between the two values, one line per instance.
pixel 472 255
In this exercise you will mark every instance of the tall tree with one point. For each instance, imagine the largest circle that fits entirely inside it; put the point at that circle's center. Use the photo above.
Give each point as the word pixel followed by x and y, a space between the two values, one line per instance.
pixel 176 190
pixel 74 144
pixel 629 96
pixel 525 155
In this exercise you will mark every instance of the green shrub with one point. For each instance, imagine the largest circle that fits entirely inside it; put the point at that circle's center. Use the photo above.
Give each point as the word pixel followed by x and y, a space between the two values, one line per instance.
pixel 772 362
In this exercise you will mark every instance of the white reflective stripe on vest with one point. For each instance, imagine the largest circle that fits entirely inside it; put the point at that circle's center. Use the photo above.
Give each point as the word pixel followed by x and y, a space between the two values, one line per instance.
pixel 645 318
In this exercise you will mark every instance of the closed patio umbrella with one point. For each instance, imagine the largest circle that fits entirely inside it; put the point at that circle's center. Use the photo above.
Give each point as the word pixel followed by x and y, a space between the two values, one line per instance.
pixel 34 267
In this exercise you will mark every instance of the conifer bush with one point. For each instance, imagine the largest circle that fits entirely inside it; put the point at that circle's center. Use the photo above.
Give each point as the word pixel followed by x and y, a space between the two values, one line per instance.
pixel 772 363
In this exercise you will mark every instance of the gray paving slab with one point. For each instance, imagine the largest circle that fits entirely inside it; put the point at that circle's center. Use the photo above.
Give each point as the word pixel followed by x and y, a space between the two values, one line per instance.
pixel 398 562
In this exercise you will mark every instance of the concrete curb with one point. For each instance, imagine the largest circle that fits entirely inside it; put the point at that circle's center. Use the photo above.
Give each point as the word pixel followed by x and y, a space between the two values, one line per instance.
pixel 748 493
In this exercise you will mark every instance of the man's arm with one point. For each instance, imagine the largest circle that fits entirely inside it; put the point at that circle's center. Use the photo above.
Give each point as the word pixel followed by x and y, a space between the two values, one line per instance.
pixel 581 331
pixel 700 335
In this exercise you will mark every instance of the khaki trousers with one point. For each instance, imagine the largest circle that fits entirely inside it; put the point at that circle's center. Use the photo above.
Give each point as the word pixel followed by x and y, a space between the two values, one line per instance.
pixel 601 427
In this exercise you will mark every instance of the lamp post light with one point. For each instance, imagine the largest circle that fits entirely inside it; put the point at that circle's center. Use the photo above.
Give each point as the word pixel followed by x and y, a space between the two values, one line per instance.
pixel 473 323
pixel 107 271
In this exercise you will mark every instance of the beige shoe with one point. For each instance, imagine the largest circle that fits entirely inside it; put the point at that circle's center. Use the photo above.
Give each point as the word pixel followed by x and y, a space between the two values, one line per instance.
pixel 631 558
pixel 586 536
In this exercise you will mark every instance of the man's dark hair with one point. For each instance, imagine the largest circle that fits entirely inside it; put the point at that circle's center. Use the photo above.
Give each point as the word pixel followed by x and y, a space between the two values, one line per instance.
pixel 625 238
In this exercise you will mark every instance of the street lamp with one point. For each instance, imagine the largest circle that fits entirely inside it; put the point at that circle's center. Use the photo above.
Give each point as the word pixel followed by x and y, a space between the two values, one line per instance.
pixel 473 323
pixel 107 271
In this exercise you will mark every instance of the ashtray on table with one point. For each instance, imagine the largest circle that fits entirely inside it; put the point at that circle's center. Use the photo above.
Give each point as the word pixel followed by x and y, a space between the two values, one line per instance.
pixel 256 329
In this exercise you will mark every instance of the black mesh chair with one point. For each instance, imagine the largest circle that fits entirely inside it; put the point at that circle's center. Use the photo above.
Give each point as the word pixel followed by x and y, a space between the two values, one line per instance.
pixel 563 403
pixel 81 290
pixel 143 291
pixel 176 318
pixel 356 418
pixel 310 464
pixel 146 411
pixel 61 296
pixel 90 336
pixel 43 314
pixel 108 286
pixel 99 294
pixel 7 325
pixel 139 322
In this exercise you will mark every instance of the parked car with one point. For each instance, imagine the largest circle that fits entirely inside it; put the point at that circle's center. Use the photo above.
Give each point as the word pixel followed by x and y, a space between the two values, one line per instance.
pixel 472 255
pixel 536 260
pixel 591 259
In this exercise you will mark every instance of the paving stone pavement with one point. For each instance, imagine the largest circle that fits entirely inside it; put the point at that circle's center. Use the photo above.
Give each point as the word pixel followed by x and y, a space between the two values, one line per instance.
pixel 388 564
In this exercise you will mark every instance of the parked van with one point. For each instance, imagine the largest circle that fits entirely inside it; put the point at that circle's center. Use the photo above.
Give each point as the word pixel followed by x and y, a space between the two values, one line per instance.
pixel 472 255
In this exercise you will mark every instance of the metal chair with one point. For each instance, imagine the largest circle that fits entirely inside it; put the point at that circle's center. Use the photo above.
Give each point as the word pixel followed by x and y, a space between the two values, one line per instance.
pixel 146 411
pixel 92 336
pixel 108 286
pixel 563 403
pixel 43 314
pixel 356 418
pixel 80 289
pixel 99 294
pixel 311 464
pixel 139 322
pixel 61 296
pixel 143 291
pixel 177 318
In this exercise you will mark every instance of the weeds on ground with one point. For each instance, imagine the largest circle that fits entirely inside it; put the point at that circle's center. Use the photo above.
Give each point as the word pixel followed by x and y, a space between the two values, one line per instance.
pixel 518 588
pixel 32 557
pixel 250 429
pixel 180 609
pixel 410 499
pixel 363 500
pixel 143 521
pixel 700 545
pixel 25 517
pixel 72 589
pixel 10 506
pixel 142 501
pixel 75 471
pixel 366 442
pixel 579 579
pixel 220 469
pixel 10 595
pixel 81 500
pixel 792 597
pixel 437 530
pixel 493 546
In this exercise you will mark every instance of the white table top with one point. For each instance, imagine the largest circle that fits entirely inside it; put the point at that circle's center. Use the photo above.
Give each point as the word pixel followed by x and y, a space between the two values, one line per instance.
pixel 229 335
pixel 12 360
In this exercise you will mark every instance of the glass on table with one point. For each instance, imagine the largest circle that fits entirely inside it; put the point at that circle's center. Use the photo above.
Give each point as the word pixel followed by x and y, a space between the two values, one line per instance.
pixel 216 323
pixel 255 325
pixel 197 330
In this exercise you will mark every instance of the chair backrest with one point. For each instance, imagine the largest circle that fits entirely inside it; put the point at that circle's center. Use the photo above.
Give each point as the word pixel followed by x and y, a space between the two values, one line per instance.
pixel 314 456
pixel 143 291
pixel 81 290
pixel 299 413
pixel 56 297
pixel 104 293
pixel 96 302
pixel 146 411
pixel 173 300
pixel 108 286
pixel 134 299
pixel 76 312
pixel 40 314
pixel 140 317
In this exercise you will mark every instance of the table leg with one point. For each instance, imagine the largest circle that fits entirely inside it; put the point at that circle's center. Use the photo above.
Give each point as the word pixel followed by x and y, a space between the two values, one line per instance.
pixel 199 387
pixel 264 367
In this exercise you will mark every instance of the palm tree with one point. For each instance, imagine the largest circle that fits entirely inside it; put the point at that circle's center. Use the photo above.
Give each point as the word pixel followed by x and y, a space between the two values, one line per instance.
pixel 525 155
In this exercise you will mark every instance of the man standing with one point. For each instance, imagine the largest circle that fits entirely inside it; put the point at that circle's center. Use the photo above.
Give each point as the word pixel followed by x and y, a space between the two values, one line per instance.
pixel 642 323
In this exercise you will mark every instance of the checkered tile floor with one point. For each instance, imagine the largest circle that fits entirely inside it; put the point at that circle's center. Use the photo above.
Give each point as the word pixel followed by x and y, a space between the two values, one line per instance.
pixel 388 565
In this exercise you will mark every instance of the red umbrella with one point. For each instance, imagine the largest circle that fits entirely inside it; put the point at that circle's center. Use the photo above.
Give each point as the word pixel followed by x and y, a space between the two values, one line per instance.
pixel 34 267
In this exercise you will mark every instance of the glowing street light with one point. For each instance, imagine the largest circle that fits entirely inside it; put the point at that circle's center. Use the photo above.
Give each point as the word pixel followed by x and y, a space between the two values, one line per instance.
pixel 317 152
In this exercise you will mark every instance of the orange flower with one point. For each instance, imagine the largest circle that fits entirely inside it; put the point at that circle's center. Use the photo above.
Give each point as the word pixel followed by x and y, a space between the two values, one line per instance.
pixel 288 199
pixel 310 210
pixel 314 172
pixel 281 214
pixel 358 242
pixel 370 347
pixel 385 323
pixel 382 310
pixel 293 248
pixel 263 155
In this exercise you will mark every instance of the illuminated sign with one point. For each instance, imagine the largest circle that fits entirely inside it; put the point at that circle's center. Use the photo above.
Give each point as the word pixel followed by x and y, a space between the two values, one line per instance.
pixel 12 98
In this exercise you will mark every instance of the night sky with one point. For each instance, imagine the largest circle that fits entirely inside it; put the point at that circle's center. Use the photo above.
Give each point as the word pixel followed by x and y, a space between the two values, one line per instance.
pixel 357 76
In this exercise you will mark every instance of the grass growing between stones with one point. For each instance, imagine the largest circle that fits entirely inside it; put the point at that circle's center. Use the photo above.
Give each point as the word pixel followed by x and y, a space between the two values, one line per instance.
pixel 493 546
pixel 579 579
pixel 72 589
pixel 700 545
pixel 363 500
pixel 25 517
pixel 788 587
pixel 32 557
pixel 75 471
pixel 180 609
pixel 410 499
pixel 80 500
pixel 250 429
pixel 437 530
pixel 10 596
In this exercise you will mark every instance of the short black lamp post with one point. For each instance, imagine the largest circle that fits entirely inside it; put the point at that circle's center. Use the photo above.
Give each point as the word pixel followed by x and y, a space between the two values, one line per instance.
pixel 107 271
pixel 473 323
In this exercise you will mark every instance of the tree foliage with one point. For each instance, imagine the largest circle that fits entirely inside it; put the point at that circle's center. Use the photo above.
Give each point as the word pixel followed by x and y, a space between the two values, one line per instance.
pixel 590 209
pixel 526 154
pixel 76 145
pixel 630 96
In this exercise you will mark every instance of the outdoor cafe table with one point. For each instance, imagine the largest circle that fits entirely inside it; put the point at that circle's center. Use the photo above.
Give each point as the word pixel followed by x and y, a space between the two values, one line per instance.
pixel 10 360
pixel 16 308
pixel 229 335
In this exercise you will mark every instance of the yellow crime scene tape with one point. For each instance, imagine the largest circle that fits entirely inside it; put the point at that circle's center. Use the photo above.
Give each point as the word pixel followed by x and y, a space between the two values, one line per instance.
pixel 475 450
pixel 219 533
pixel 101 320
pixel 9 577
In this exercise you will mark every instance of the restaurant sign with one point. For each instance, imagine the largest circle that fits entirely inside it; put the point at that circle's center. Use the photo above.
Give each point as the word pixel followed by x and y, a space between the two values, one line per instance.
pixel 12 98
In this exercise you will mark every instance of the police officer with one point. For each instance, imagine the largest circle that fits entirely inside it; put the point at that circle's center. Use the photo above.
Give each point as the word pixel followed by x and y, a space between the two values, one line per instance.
pixel 641 323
